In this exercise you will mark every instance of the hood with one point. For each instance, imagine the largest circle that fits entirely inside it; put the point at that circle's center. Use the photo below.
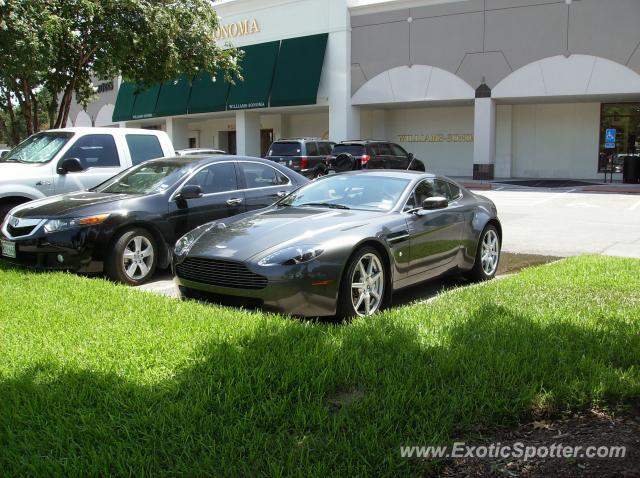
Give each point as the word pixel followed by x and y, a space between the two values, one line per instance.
pixel 72 205
pixel 14 171
pixel 244 237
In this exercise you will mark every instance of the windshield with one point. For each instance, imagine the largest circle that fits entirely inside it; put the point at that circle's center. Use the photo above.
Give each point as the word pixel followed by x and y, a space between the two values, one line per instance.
pixel 360 191
pixel 285 149
pixel 352 149
pixel 39 148
pixel 147 178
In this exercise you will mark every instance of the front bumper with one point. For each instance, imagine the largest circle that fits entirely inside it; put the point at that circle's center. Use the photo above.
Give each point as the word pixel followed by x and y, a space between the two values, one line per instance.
pixel 70 250
pixel 307 290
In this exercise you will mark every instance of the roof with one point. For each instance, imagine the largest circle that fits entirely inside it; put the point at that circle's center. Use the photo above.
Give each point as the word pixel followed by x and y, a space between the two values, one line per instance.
pixel 303 139
pixel 90 129
pixel 397 173
pixel 364 141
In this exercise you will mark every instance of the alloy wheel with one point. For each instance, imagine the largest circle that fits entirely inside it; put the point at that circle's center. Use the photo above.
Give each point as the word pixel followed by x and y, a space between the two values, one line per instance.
pixel 367 285
pixel 138 257
pixel 490 252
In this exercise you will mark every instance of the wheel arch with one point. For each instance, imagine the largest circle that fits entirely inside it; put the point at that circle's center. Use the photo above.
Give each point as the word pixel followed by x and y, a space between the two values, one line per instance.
pixel 163 258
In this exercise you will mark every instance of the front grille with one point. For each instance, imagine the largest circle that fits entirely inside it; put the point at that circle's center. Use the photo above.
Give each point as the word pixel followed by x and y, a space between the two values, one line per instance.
pixel 19 231
pixel 220 273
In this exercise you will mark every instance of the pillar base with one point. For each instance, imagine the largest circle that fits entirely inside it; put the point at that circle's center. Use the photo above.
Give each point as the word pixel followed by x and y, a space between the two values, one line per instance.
pixel 483 172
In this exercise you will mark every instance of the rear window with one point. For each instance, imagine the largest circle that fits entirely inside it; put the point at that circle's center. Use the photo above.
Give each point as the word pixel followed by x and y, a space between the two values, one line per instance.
pixel 312 149
pixel 143 147
pixel 352 149
pixel 290 148
pixel 324 148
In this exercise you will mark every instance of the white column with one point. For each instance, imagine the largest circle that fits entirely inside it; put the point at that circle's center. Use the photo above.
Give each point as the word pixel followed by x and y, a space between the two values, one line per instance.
pixel 484 138
pixel 178 132
pixel 504 150
pixel 248 133
pixel 344 119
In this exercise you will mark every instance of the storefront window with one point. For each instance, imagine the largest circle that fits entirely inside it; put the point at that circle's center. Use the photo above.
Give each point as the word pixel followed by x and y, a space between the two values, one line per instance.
pixel 619 134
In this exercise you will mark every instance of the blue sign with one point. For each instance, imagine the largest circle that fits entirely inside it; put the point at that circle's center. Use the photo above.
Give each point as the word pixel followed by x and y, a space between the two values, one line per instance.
pixel 609 145
pixel 610 136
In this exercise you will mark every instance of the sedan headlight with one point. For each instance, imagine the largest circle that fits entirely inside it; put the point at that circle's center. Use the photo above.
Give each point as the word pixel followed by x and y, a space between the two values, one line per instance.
pixel 57 225
pixel 184 244
pixel 292 256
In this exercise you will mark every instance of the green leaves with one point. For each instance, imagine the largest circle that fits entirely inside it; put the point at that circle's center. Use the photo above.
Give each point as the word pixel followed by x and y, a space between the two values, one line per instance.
pixel 61 45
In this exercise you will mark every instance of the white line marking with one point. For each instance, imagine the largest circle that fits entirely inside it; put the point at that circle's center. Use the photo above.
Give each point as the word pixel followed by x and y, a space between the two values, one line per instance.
pixel 635 206
pixel 552 197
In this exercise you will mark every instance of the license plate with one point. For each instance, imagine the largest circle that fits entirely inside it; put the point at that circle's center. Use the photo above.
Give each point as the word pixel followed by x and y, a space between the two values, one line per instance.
pixel 9 249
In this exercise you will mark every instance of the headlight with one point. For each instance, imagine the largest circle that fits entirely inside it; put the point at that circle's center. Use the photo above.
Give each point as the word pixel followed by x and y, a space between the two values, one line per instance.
pixel 184 244
pixel 291 256
pixel 57 225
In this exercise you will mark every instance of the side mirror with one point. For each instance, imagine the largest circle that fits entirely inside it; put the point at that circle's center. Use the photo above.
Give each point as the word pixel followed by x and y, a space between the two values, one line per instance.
pixel 69 165
pixel 435 203
pixel 190 191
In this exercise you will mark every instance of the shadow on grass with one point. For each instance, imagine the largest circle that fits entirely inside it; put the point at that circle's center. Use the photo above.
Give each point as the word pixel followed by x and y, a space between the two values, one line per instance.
pixel 272 402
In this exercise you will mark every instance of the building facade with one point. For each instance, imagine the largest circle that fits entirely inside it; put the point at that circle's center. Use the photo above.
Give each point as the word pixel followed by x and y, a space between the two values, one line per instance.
pixel 482 88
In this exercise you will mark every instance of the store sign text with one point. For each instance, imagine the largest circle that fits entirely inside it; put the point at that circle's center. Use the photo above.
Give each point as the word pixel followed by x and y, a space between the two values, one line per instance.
pixel 237 29
pixel 436 138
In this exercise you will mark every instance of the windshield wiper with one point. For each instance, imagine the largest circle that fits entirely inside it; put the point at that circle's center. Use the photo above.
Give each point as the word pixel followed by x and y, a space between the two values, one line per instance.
pixel 325 204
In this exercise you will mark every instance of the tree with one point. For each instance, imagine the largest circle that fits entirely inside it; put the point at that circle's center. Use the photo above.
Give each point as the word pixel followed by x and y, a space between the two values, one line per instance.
pixel 57 46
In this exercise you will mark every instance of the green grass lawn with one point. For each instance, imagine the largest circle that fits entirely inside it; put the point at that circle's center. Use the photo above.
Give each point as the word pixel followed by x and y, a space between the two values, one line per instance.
pixel 100 379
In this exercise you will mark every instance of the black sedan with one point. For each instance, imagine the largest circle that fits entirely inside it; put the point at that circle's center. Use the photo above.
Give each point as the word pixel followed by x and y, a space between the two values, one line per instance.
pixel 342 244
pixel 128 225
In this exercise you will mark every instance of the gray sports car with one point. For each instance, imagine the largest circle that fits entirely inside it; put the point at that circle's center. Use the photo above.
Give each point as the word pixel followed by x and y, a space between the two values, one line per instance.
pixel 342 244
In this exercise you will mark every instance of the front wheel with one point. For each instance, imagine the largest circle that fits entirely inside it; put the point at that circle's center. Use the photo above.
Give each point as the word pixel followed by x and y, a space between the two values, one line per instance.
pixel 487 256
pixel 363 287
pixel 134 257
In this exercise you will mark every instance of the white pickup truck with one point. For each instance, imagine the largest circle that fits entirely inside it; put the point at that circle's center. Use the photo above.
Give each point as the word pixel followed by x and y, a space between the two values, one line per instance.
pixel 70 159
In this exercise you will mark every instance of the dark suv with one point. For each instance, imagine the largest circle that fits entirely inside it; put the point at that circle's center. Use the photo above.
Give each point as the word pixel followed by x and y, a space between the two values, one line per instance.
pixel 371 154
pixel 306 156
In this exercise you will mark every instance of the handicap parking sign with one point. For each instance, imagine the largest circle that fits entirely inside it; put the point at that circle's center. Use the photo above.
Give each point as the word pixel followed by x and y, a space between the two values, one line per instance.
pixel 610 136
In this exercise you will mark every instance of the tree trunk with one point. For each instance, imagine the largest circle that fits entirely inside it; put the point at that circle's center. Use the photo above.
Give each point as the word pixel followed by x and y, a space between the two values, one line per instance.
pixel 62 113
pixel 15 136
pixel 27 107
pixel 36 114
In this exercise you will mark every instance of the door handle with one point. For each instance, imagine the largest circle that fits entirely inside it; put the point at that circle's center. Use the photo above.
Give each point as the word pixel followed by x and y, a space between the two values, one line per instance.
pixel 43 183
pixel 234 201
pixel 281 194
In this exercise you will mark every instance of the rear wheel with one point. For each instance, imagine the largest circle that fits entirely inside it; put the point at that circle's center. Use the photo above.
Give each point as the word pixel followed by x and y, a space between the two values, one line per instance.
pixel 134 257
pixel 363 287
pixel 487 256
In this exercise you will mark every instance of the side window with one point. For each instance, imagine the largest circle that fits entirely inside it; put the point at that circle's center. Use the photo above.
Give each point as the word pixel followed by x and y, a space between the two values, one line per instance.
pixel 442 189
pixel 281 178
pixel 260 175
pixel 95 151
pixel 398 151
pixel 217 178
pixel 143 147
pixel 324 148
pixel 424 190
pixel 382 149
pixel 455 191
pixel 312 149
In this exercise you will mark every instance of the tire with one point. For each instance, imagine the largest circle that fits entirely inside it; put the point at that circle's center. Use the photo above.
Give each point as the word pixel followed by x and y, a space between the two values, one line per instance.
pixel 349 296
pixel 344 162
pixel 4 210
pixel 485 270
pixel 133 258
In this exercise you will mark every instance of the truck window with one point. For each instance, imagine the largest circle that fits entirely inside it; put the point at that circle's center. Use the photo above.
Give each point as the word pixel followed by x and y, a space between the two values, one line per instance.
pixel 143 147
pixel 95 151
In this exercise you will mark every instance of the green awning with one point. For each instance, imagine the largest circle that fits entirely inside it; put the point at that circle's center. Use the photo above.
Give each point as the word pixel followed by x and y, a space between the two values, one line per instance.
pixel 298 70
pixel 124 102
pixel 208 95
pixel 257 70
pixel 145 103
pixel 173 98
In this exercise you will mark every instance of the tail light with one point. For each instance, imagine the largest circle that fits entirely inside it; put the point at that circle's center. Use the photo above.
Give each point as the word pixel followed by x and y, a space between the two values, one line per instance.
pixel 304 162
pixel 364 159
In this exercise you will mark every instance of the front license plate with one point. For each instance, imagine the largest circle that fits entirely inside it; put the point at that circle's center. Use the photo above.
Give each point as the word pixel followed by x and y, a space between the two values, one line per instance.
pixel 9 249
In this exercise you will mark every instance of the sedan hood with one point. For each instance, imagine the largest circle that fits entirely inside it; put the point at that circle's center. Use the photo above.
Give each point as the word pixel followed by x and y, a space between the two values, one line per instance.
pixel 69 205
pixel 244 237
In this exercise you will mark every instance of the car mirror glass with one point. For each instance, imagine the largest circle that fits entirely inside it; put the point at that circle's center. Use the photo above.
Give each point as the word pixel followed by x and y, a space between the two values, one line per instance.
pixel 190 191
pixel 436 202
pixel 69 165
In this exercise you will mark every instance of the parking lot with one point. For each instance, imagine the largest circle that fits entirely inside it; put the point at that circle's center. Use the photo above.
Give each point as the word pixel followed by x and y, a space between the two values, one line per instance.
pixel 546 222
pixel 568 222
